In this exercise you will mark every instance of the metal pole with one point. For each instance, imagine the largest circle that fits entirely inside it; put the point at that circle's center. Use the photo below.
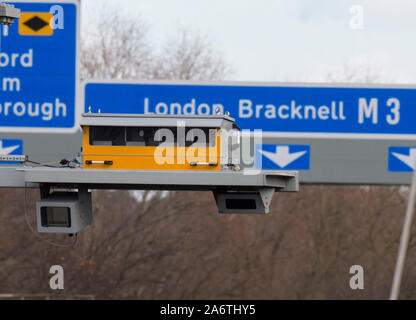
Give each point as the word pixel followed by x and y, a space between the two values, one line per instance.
pixel 404 240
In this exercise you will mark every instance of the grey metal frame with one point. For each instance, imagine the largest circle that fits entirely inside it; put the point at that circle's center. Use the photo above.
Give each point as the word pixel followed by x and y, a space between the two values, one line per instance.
pixel 8 13
pixel 155 120
pixel 281 181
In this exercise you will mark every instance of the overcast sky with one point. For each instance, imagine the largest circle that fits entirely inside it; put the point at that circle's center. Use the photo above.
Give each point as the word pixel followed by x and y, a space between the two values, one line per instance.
pixel 289 40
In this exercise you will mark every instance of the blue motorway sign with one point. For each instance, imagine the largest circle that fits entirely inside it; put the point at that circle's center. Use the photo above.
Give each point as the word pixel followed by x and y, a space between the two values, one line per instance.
pixel 38 68
pixel 11 147
pixel 278 157
pixel 402 159
pixel 279 108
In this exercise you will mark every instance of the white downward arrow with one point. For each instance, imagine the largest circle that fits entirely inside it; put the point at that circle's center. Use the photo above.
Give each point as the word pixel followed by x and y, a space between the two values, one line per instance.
pixel 8 150
pixel 409 160
pixel 282 157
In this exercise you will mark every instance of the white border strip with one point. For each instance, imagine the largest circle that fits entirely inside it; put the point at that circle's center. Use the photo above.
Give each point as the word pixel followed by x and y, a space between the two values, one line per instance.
pixel 252 84
pixel 329 135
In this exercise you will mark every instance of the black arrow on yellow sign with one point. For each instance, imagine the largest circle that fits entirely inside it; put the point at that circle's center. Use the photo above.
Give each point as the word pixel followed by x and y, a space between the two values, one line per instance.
pixel 35 24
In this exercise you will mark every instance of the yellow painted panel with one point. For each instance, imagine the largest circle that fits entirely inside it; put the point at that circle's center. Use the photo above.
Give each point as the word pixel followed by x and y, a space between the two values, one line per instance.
pixel 150 158
pixel 35 24
pixel 149 163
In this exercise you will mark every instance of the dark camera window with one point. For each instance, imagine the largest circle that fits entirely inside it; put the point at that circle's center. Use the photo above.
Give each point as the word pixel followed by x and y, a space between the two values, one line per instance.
pixel 154 136
pixel 107 136
pixel 240 204
pixel 194 136
pixel 151 136
pixel 55 217
pixel 145 136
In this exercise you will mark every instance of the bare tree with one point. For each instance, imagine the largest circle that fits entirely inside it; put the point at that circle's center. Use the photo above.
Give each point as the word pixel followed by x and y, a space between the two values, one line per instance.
pixel 119 47
pixel 191 56
pixel 360 71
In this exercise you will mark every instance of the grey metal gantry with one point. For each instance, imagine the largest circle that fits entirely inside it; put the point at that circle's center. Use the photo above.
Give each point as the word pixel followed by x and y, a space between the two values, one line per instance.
pixel 8 13
pixel 235 190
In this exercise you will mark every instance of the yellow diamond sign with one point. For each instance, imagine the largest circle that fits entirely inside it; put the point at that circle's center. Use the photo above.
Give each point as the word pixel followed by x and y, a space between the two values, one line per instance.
pixel 35 24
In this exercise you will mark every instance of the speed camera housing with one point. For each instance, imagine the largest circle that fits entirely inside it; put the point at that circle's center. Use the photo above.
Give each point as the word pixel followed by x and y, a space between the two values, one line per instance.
pixel 64 212
pixel 257 201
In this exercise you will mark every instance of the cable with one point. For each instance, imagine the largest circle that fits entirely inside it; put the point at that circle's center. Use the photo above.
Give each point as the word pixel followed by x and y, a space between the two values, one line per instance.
pixel 42 238
pixel 49 165
pixel 64 163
